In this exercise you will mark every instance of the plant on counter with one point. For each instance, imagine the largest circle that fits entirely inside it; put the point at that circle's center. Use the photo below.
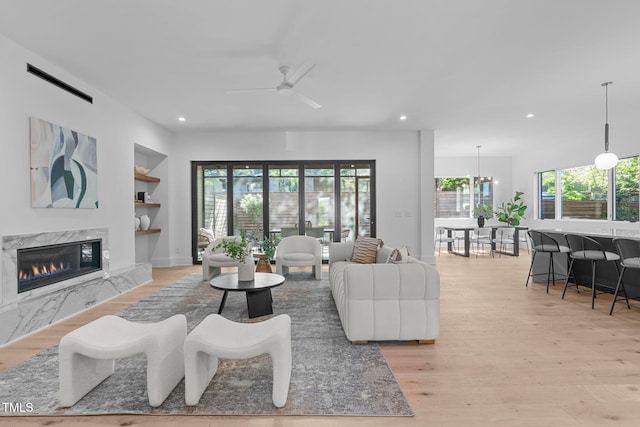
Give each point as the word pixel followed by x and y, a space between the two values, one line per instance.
pixel 512 212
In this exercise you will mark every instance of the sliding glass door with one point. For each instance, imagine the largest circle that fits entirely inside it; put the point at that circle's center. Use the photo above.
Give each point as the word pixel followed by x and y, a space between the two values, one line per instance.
pixel 284 201
pixel 330 201
pixel 355 201
pixel 319 202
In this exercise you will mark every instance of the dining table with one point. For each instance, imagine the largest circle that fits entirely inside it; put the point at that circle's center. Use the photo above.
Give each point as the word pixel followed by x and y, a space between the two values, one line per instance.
pixel 467 229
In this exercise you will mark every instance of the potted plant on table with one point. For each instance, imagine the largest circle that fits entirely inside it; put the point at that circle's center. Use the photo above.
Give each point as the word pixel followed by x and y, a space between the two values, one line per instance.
pixel 239 250
pixel 483 212
pixel 268 248
pixel 512 212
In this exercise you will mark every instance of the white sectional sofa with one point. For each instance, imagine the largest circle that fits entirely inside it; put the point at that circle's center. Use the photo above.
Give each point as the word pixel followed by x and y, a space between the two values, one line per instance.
pixel 384 301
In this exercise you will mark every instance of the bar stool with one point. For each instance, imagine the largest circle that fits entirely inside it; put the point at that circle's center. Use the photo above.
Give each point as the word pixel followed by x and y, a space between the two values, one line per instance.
pixel 629 251
pixel 588 249
pixel 544 243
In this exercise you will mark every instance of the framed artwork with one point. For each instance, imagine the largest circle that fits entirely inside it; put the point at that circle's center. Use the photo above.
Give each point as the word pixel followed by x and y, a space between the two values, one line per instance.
pixel 64 167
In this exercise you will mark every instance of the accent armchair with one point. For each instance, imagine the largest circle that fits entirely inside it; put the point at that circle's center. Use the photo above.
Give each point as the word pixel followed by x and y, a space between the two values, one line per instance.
pixel 213 260
pixel 299 251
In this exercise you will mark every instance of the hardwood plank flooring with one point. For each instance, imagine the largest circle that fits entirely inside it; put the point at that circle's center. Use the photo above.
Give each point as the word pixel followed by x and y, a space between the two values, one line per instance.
pixel 507 355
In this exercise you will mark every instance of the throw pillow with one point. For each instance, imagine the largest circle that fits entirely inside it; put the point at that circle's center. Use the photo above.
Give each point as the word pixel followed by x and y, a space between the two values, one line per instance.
pixel 364 250
pixel 399 256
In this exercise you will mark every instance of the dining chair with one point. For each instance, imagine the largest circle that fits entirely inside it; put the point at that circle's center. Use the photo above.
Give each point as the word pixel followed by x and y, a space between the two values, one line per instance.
pixel 504 237
pixel 587 249
pixel 481 236
pixel 442 237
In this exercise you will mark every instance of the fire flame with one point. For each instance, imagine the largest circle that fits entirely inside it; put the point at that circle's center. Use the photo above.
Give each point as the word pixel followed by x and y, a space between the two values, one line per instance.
pixel 41 270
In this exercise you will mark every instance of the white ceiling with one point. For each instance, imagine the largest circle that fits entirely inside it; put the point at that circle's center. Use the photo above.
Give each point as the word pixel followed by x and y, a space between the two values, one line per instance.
pixel 470 69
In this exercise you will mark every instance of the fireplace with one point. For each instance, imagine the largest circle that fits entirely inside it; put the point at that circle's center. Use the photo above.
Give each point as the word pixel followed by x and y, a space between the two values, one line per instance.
pixel 45 265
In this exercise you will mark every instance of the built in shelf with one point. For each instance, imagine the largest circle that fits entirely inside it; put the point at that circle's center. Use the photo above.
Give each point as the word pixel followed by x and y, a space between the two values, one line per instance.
pixel 146 178
pixel 147 205
pixel 150 231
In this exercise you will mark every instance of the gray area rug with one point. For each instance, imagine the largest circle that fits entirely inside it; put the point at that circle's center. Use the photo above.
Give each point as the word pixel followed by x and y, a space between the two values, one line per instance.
pixel 330 376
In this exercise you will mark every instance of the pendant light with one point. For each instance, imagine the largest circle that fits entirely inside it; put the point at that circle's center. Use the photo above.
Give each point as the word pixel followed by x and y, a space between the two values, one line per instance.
pixel 606 160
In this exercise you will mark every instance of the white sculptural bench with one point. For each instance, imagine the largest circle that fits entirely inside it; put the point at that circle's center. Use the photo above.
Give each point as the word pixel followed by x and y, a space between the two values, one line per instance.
pixel 217 337
pixel 87 355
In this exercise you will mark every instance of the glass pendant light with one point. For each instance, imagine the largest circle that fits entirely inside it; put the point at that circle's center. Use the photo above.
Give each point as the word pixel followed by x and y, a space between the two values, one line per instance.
pixel 606 160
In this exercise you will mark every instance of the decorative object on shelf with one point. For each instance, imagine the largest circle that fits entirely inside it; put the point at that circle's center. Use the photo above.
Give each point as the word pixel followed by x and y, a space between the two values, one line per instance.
pixel 483 212
pixel 141 170
pixel 606 160
pixel 137 223
pixel 142 196
pixel 512 212
pixel 239 250
pixel 64 167
pixel 145 222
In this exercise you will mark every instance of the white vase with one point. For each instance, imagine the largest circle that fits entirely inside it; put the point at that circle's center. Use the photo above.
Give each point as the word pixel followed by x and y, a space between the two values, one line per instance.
pixel 136 222
pixel 246 270
pixel 144 222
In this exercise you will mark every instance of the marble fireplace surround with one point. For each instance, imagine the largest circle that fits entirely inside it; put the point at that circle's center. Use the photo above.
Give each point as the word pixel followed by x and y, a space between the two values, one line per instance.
pixel 24 313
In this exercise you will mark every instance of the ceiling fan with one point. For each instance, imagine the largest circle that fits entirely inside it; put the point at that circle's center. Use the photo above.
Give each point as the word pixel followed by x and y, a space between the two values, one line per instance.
pixel 285 88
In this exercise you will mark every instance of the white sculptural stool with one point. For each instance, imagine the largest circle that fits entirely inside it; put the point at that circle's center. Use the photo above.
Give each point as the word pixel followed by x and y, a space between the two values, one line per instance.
pixel 217 337
pixel 87 355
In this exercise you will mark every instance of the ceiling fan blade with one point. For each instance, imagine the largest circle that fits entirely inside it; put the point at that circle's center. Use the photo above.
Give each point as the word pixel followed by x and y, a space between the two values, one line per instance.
pixel 258 89
pixel 310 102
pixel 298 74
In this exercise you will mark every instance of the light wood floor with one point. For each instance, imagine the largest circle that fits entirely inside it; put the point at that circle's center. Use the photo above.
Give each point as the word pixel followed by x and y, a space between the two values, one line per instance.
pixel 507 355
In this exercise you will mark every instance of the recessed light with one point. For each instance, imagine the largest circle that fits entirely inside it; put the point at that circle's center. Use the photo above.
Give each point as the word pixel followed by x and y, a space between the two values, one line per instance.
pixel 530 115
pixel 403 117
pixel 181 119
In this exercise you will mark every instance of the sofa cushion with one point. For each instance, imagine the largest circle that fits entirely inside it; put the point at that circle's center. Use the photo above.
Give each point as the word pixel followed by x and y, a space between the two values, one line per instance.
pixel 298 256
pixel 399 255
pixel 365 250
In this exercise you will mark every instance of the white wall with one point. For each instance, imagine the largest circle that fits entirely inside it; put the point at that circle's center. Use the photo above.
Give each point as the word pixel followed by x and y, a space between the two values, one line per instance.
pixel 398 166
pixel 115 127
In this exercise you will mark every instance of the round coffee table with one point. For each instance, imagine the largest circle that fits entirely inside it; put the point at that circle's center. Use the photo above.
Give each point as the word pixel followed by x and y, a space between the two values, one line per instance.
pixel 258 291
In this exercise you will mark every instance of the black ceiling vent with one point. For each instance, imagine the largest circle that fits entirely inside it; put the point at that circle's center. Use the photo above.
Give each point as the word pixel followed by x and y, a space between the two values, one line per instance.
pixel 57 82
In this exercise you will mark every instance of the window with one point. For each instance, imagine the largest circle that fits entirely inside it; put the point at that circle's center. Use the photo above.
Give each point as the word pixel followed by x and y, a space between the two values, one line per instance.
pixel 319 191
pixel 284 198
pixel 483 192
pixel 547 195
pixel 626 200
pixel 330 200
pixel 247 199
pixel 584 192
pixel 454 200
pixel 356 199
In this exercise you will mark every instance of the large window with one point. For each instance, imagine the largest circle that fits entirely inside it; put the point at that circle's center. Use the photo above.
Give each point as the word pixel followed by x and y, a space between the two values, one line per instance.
pixel 274 199
pixel 584 192
pixel 588 193
pixel 626 190
pixel 547 195
pixel 453 198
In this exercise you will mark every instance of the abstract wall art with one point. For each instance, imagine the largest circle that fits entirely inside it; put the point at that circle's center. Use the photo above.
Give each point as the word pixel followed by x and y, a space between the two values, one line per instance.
pixel 64 167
